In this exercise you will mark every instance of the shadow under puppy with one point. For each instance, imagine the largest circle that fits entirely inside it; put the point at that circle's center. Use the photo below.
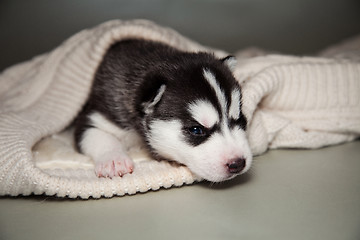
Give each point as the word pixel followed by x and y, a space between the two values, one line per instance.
pixel 183 106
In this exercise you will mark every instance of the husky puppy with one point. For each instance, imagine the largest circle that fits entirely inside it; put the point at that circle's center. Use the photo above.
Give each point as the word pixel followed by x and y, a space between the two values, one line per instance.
pixel 185 107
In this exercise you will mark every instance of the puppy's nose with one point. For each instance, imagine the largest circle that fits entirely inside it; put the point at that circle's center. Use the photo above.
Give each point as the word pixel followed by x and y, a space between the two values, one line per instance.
pixel 236 165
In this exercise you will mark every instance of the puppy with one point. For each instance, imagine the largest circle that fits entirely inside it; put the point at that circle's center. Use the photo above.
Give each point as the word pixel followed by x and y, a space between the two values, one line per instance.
pixel 185 107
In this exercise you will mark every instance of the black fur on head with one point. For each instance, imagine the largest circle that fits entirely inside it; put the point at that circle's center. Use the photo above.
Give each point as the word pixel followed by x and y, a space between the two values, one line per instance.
pixel 167 91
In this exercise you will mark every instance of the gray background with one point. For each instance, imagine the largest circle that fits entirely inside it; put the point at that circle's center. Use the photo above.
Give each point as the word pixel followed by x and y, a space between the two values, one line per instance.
pixel 31 27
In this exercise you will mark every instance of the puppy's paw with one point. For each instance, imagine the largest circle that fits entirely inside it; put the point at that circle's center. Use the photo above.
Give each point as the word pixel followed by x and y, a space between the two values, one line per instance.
pixel 113 164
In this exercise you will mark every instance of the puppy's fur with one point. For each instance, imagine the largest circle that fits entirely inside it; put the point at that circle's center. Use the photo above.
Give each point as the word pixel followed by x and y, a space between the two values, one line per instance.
pixel 184 107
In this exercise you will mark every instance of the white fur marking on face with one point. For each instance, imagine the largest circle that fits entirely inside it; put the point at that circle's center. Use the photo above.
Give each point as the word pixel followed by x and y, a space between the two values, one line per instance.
pixel 207 160
pixel 164 137
pixel 210 77
pixel 204 113
pixel 234 110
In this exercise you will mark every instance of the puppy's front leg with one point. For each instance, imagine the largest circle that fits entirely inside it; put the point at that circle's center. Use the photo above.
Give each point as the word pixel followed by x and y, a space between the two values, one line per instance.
pixel 108 153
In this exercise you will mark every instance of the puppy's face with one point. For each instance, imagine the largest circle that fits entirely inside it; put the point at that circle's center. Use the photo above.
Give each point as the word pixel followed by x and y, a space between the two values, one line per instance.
pixel 214 152
pixel 198 122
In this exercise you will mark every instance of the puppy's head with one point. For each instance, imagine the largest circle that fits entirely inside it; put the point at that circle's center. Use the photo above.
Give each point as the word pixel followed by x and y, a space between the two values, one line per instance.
pixel 192 114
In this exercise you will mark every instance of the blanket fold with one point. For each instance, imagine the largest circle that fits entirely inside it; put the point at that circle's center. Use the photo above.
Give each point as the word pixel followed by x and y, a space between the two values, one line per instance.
pixel 290 102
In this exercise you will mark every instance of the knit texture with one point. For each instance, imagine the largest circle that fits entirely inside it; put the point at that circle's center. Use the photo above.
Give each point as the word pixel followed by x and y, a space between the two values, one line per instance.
pixel 289 102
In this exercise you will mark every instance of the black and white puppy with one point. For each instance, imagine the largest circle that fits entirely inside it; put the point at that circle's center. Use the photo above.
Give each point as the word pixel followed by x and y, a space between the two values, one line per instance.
pixel 184 107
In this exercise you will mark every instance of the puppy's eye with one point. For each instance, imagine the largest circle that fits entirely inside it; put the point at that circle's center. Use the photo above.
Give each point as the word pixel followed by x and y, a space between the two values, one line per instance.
pixel 197 131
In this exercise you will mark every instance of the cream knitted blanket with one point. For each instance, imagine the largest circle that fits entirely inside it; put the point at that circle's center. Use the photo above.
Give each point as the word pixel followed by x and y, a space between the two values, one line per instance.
pixel 296 102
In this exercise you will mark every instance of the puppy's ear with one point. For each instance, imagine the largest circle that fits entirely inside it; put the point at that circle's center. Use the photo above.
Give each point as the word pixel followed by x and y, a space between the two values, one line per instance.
pixel 148 107
pixel 230 62
pixel 151 93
